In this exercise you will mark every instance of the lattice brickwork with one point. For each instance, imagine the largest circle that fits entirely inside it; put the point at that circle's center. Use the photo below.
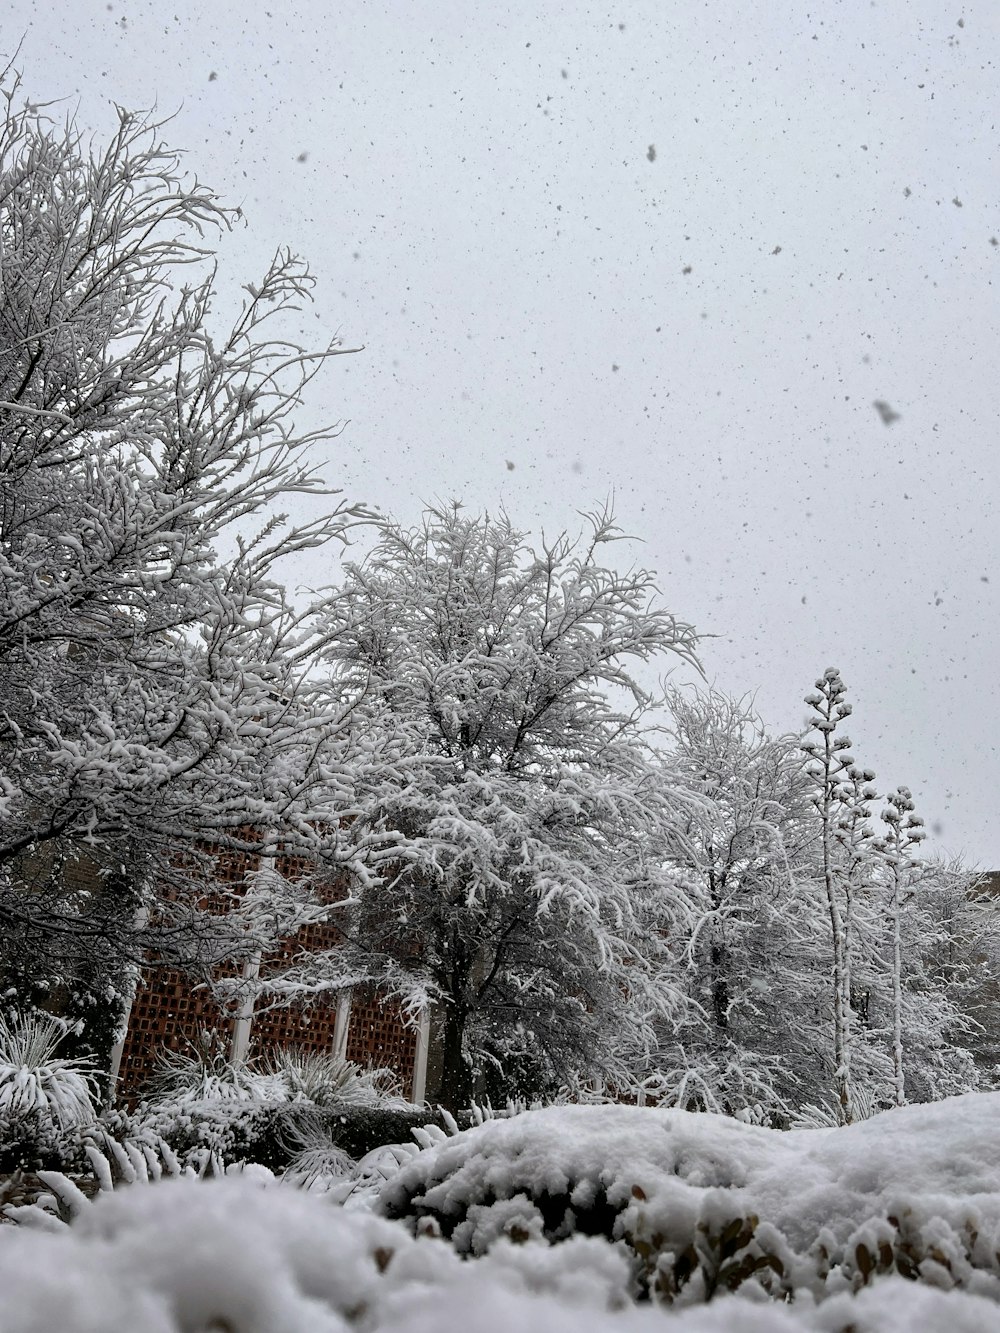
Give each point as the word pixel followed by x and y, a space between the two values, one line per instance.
pixel 168 1011
pixel 307 1029
pixel 309 1026
pixel 377 1035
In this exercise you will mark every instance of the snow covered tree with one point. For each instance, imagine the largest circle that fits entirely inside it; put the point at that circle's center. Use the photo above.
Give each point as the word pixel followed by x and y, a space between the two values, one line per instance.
pixel 154 695
pixel 523 820
pixel 761 863
pixel 891 917
pixel 950 930
pixel 938 963
pixel 746 836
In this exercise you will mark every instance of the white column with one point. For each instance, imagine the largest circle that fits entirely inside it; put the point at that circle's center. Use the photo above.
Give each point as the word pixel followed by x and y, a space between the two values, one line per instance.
pixel 341 1025
pixel 117 1051
pixel 240 1043
pixel 420 1057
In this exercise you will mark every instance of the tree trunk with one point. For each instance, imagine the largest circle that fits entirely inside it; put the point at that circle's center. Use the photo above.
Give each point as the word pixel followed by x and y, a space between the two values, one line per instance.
pixel 720 986
pixel 718 956
pixel 456 1076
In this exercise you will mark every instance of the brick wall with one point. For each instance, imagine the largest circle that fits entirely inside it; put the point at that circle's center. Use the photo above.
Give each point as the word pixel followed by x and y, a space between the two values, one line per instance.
pixel 377 1035
pixel 171 1010
pixel 168 1011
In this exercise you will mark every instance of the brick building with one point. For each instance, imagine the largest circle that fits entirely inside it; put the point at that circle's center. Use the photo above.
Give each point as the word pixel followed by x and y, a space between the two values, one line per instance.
pixel 171 1011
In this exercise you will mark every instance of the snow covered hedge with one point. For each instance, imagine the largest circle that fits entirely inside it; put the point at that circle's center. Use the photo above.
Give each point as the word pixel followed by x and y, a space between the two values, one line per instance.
pixel 706 1204
pixel 846 1213
pixel 189 1257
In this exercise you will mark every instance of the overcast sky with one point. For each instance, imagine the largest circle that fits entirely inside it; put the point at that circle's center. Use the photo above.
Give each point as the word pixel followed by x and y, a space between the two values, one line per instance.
pixel 676 251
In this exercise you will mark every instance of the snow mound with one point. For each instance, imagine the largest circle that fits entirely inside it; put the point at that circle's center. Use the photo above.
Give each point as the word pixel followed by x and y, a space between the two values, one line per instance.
pixel 705 1216
pixel 706 1203
pixel 255 1257
pixel 191 1256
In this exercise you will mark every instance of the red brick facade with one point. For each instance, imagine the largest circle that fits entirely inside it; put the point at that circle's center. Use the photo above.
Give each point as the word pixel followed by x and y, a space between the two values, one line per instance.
pixel 171 1010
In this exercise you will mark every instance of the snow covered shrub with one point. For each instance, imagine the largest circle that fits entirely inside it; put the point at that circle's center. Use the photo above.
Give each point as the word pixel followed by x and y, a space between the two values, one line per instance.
pixel 117 1151
pixel 228 1255
pixel 44 1100
pixel 835 1217
pixel 53 1199
pixel 724 1252
pixel 705 1205
pixel 351 1149
pixel 643 1177
pixel 328 1080
pixel 826 1116
pixel 230 1129
pixel 943 1253
pixel 202 1073
pixel 205 1073
pixel 315 1160
pixel 200 1101
pixel 34 1081
pixel 290 1103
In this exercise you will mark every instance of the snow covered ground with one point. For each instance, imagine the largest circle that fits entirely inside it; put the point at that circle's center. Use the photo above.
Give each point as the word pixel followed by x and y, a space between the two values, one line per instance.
pixel 250 1255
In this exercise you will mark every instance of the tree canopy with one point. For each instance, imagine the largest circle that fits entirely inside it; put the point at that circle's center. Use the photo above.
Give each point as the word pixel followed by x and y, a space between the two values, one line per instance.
pixel 524 817
pixel 154 692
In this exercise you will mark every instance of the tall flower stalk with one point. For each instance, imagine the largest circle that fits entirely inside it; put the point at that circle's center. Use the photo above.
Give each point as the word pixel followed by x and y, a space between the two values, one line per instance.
pixel 904 832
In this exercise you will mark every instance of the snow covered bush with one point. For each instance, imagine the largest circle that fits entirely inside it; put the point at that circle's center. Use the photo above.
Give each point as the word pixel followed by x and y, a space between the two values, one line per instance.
pixel 201 1073
pixel 272 1110
pixel 283 1136
pixel 329 1081
pixel 34 1082
pixel 44 1099
pixel 705 1204
pixel 231 1129
pixel 249 1256
pixel 199 1101
pixel 231 1255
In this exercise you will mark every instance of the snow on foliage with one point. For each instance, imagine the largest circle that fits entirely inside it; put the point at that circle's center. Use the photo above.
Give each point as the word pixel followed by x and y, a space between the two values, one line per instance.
pixel 154 690
pixel 523 816
pixel 38 1086
pixel 769 840
pixel 706 1202
pixel 753 954
pixel 249 1255
pixel 456 736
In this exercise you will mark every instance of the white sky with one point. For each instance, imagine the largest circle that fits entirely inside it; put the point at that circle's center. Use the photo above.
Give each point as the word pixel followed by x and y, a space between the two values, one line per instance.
pixel 475 189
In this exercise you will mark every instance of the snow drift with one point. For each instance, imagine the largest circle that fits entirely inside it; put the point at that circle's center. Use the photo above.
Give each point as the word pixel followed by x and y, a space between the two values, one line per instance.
pixel 828 1222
